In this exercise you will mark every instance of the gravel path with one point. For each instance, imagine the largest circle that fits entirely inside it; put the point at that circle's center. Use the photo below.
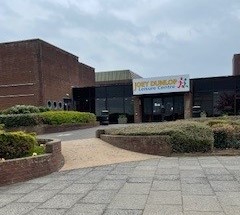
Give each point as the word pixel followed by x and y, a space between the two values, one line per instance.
pixel 95 152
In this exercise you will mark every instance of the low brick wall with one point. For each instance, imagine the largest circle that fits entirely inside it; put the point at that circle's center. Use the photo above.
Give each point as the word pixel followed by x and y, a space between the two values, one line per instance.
pixel 23 169
pixel 45 129
pixel 155 145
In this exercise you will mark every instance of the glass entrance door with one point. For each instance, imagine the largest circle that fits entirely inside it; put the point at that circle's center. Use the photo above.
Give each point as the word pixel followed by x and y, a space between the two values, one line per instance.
pixel 157 105
pixel 168 106
pixel 164 108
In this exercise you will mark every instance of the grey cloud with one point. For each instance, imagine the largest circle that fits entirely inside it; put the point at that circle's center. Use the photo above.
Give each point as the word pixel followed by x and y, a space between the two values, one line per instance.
pixel 152 38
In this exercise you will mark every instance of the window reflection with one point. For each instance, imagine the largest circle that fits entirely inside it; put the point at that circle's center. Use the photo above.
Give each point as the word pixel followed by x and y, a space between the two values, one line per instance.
pixel 223 103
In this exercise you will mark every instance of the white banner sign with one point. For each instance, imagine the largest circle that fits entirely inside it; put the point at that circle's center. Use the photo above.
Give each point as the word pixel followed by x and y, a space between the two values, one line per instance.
pixel 166 84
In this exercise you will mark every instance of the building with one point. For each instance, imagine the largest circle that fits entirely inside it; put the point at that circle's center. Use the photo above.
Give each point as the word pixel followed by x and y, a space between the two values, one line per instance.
pixel 159 98
pixel 37 73
pixel 112 91
pixel 34 72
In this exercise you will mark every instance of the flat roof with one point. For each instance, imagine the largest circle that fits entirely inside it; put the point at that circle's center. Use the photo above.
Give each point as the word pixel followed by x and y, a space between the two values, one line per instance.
pixel 115 75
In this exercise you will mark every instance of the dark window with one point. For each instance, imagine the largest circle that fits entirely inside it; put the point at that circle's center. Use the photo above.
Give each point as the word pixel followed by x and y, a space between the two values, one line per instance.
pixel 226 83
pixel 55 105
pixel 128 104
pixel 49 104
pixel 115 108
pixel 205 101
pixel 100 105
pixel 223 102
pixel 202 85
pixel 115 91
pixel 100 92
pixel 178 107
pixel 238 82
pixel 60 105
pixel 115 105
pixel 128 92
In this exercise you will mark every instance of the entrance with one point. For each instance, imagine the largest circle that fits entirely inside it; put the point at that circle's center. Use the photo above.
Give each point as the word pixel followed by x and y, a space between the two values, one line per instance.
pixel 163 108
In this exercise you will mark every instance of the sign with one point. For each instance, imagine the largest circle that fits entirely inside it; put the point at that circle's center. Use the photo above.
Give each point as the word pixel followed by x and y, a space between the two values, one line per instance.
pixel 166 84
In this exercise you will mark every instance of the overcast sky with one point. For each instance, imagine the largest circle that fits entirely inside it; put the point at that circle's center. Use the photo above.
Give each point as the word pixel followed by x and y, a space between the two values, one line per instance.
pixel 149 37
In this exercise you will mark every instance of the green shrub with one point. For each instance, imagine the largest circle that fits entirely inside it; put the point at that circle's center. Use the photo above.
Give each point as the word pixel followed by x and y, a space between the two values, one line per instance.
pixel 67 117
pixel 224 135
pixel 217 121
pixel 38 149
pixel 43 109
pixel 190 137
pixel 24 109
pixel 16 144
pixel 17 120
pixel 186 136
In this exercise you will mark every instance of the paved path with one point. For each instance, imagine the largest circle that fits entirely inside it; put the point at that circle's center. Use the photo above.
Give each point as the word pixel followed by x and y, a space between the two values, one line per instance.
pixel 173 186
pixel 159 186
pixel 79 134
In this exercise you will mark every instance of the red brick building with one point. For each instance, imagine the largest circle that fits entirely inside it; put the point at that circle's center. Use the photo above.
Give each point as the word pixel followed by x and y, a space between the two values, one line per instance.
pixel 37 73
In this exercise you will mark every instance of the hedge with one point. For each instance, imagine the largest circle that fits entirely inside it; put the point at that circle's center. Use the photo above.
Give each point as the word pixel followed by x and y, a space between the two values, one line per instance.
pixel 16 144
pixel 24 109
pixel 67 117
pixel 49 117
pixel 17 120
pixel 226 132
pixel 185 136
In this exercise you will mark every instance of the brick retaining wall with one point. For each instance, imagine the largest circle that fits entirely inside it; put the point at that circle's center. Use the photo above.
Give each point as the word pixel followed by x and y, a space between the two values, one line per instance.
pixel 155 145
pixel 22 169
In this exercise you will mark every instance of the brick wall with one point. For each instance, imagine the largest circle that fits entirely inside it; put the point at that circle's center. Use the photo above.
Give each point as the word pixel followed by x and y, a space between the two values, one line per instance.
pixel 19 73
pixel 155 145
pixel 137 109
pixel 22 169
pixel 86 75
pixel 34 72
pixel 61 71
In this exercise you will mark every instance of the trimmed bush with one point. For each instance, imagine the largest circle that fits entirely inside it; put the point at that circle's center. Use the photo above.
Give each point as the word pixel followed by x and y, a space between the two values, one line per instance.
pixel 192 137
pixel 67 117
pixel 17 120
pixel 16 144
pixel 186 136
pixel 217 121
pixel 24 109
pixel 224 135
pixel 49 117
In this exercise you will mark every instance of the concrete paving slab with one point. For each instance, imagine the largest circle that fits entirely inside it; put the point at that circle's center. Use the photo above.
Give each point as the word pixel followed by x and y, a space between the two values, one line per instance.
pixel 128 201
pixel 62 201
pixel 47 212
pixel 201 203
pixel 166 185
pixel 17 208
pixel 86 209
pixel 163 209
pixel 122 189
pixel 123 212
pixel 165 198
pixel 99 197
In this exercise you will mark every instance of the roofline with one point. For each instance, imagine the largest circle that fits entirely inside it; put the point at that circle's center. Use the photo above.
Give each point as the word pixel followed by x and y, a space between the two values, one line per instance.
pixel 226 76
pixel 87 65
pixel 40 41
pixel 120 70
